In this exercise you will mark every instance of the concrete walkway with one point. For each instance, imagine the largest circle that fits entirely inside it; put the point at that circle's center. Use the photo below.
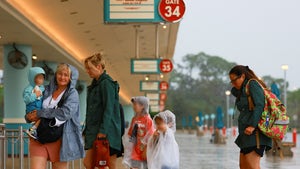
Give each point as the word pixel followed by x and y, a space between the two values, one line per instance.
pixel 199 153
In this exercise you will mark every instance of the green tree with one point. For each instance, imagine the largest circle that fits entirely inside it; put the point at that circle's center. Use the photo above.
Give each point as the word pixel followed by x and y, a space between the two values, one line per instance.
pixel 198 84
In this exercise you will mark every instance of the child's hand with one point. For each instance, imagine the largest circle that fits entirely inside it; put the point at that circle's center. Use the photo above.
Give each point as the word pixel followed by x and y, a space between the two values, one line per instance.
pixel 156 133
pixel 32 116
pixel 100 135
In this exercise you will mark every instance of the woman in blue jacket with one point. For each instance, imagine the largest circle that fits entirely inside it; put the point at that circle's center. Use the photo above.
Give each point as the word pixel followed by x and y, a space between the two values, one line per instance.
pixel 250 140
pixel 70 146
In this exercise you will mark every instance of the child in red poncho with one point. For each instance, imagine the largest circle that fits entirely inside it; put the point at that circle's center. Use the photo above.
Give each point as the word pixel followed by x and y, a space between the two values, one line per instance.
pixel 135 141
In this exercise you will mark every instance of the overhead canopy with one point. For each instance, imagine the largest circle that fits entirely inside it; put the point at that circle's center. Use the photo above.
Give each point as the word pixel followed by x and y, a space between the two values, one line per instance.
pixel 70 31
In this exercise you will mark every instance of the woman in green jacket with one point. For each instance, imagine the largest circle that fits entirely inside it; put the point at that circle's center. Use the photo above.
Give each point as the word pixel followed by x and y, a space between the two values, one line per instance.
pixel 103 112
pixel 250 140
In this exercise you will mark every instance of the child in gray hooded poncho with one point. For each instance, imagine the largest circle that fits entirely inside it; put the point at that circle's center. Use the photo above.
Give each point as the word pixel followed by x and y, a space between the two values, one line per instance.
pixel 136 138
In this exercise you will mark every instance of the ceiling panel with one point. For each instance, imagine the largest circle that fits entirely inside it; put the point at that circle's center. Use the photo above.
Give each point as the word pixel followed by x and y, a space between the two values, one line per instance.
pixel 77 27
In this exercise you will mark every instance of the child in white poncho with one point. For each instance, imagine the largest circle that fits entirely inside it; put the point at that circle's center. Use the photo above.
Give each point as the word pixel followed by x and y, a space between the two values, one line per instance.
pixel 162 150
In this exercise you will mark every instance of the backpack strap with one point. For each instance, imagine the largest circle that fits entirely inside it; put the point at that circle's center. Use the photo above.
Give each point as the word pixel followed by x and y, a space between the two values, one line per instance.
pixel 251 108
pixel 250 100
pixel 63 98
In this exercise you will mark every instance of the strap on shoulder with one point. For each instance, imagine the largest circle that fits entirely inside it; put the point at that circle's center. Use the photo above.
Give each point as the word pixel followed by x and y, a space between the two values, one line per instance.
pixel 250 100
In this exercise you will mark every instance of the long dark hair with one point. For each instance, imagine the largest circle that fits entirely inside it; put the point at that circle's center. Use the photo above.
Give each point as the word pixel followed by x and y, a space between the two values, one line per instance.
pixel 239 70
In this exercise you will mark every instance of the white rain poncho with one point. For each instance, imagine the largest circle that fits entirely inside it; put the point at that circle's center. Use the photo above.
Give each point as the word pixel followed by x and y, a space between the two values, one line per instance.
pixel 163 152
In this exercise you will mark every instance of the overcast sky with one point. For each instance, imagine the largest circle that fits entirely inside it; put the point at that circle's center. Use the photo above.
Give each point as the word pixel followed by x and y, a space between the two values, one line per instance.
pixel 263 34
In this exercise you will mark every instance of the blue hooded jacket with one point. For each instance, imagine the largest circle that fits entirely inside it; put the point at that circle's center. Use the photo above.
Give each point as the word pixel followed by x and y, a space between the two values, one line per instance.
pixel 30 99
pixel 72 142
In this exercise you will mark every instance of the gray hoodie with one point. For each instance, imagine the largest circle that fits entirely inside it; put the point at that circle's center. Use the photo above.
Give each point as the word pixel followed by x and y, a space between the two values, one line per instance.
pixel 72 142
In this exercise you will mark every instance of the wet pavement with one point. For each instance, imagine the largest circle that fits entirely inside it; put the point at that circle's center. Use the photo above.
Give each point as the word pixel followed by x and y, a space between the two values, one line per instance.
pixel 199 153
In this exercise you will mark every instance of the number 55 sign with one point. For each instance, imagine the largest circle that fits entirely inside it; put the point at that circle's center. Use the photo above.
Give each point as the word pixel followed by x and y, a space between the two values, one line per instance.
pixel 171 10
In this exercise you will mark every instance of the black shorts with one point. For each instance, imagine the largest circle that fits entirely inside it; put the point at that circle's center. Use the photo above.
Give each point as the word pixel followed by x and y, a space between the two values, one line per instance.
pixel 113 151
pixel 259 151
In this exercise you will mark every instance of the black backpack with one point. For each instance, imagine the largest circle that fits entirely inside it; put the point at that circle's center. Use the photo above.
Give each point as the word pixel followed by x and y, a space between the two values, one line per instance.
pixel 46 131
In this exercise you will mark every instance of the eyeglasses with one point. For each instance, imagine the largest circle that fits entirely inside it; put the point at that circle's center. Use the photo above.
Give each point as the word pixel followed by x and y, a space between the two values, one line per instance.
pixel 234 80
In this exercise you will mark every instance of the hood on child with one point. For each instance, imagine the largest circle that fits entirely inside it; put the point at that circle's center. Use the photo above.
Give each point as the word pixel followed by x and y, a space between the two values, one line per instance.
pixel 169 118
pixel 142 100
pixel 33 71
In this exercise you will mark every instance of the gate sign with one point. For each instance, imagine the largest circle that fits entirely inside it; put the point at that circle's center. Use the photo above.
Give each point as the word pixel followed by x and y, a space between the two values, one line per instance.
pixel 163 86
pixel 163 96
pixel 166 66
pixel 131 11
pixel 171 10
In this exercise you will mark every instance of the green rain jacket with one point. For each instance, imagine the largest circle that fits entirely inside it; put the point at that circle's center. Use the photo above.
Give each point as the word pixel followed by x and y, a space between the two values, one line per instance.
pixel 250 118
pixel 103 112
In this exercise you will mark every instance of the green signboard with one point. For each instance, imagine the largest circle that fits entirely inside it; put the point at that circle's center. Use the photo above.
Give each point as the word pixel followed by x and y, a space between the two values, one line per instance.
pixel 131 11
pixel 145 66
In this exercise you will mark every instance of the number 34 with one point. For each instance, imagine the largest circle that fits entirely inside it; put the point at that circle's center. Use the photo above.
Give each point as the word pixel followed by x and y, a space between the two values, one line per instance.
pixel 170 12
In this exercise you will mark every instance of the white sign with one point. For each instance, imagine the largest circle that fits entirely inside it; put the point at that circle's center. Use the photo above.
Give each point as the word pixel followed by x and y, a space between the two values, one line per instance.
pixel 145 66
pixel 149 85
pixel 152 96
pixel 153 103
pixel 154 108
pixel 132 9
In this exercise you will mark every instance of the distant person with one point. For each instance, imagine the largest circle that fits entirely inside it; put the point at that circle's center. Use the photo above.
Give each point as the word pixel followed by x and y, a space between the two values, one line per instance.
pixel 136 139
pixel 162 149
pixel 33 96
pixel 275 89
pixel 103 120
pixel 61 102
pixel 251 141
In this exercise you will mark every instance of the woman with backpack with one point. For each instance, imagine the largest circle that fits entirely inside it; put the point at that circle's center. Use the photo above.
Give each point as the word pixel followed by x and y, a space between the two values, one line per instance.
pixel 251 141
pixel 103 119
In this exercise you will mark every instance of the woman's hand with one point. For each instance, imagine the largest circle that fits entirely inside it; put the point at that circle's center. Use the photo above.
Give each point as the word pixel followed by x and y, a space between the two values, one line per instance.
pixel 100 135
pixel 32 116
pixel 249 130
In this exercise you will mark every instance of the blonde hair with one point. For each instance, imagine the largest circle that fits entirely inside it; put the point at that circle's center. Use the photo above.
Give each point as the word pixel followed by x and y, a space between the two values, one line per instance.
pixel 96 59
pixel 64 66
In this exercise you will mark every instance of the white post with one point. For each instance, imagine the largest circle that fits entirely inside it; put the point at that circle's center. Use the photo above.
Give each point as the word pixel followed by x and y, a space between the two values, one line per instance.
pixel 21 153
pixel 285 68
pixel 156 42
pixel 227 106
pixel 137 41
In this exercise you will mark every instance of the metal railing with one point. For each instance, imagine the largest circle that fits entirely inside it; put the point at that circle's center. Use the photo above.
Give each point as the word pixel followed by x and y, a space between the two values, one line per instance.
pixel 12 150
